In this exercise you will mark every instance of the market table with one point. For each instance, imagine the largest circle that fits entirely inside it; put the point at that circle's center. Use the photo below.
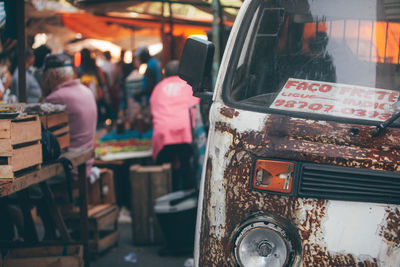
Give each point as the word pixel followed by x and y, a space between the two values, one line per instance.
pixel 78 159
pixel 126 155
pixel 128 145
pixel 118 152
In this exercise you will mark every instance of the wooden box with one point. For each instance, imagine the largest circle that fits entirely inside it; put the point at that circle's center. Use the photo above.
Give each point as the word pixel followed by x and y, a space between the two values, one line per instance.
pixel 43 256
pixel 105 240
pixel 20 147
pixel 102 190
pixel 103 225
pixel 58 124
pixel 147 183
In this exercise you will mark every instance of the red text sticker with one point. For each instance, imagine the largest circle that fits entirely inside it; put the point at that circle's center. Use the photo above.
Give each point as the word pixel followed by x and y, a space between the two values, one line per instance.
pixel 334 99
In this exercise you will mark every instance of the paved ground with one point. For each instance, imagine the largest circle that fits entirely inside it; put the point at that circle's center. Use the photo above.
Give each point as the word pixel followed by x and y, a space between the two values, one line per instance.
pixel 146 256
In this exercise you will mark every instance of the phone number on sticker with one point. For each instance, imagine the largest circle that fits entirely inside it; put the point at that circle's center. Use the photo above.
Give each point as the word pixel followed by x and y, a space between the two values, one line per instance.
pixel 330 108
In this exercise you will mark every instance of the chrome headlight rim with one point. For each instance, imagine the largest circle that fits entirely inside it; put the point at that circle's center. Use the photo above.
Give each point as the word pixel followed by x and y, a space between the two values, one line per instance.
pixel 276 224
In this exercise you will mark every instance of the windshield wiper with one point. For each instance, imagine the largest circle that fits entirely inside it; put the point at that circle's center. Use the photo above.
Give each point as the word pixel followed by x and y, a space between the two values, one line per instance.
pixel 379 129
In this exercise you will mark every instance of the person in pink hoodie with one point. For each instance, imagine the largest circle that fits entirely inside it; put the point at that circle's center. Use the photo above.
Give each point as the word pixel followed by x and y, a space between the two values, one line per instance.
pixel 170 102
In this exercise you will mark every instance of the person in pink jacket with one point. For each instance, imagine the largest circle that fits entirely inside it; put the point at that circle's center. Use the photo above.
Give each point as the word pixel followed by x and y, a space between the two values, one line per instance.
pixel 170 102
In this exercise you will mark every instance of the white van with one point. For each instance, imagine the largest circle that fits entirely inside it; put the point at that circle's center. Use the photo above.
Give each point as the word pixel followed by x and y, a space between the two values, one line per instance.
pixel 302 164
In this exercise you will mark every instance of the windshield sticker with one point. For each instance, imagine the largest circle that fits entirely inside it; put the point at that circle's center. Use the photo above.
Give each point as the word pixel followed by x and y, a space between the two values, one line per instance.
pixel 335 99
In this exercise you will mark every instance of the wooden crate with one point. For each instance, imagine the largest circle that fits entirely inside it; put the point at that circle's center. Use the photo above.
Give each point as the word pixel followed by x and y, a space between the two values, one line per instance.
pixel 104 241
pixel 103 225
pixel 58 124
pixel 102 190
pixel 43 256
pixel 20 147
pixel 147 183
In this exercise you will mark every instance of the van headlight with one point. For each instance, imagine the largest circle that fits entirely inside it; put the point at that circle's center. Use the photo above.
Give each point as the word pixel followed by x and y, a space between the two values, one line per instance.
pixel 262 240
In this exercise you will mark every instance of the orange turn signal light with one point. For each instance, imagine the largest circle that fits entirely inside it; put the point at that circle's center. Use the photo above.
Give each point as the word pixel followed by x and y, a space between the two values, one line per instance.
pixel 271 175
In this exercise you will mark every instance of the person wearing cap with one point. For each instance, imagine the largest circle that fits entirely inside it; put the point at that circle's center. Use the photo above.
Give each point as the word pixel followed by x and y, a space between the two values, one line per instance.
pixel 170 105
pixel 152 75
pixel 61 87
pixel 33 89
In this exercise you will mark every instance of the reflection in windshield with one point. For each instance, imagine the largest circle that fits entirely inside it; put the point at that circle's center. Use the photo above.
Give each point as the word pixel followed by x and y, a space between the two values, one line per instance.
pixel 320 66
pixel 353 42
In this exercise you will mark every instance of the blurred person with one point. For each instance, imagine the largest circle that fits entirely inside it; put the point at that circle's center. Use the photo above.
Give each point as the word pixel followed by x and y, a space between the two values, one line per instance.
pixel 94 78
pixel 133 88
pixel 172 133
pixel 90 75
pixel 152 75
pixel 33 89
pixel 110 69
pixel 112 74
pixel 125 68
pixel 5 76
pixel 2 91
pixel 40 53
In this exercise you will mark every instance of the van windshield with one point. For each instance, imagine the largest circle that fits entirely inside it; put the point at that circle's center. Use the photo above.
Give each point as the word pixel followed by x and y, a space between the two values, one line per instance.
pixel 328 57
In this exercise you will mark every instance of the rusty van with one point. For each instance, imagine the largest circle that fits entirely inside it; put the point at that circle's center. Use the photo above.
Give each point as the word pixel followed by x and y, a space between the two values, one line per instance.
pixel 302 165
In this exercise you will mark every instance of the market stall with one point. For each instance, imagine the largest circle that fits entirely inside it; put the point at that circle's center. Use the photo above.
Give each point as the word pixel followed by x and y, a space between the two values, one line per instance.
pixel 20 186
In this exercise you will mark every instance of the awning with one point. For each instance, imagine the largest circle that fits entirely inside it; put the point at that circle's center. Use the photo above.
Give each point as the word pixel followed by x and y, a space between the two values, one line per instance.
pixel 114 26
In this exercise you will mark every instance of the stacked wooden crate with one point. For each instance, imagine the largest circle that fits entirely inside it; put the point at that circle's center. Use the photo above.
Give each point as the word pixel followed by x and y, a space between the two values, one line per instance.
pixel 147 184
pixel 43 256
pixel 102 213
pixel 58 124
pixel 20 147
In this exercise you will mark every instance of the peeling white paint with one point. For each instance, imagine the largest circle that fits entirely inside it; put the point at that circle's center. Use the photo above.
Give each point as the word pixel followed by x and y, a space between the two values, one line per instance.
pixel 249 121
pixel 353 228
pixel 389 256
pixel 217 215
pixel 245 121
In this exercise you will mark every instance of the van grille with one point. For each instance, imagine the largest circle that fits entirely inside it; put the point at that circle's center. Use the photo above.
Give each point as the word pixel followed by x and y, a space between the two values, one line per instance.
pixel 341 183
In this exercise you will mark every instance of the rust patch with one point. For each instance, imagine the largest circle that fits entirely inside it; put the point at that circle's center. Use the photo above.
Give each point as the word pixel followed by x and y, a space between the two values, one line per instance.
pixel 243 202
pixel 229 112
pixel 391 230
pixel 330 143
pixel 213 251
pixel 295 139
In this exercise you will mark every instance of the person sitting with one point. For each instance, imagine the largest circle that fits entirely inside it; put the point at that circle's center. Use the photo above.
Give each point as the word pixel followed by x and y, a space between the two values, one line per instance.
pixel 172 135
pixel 61 87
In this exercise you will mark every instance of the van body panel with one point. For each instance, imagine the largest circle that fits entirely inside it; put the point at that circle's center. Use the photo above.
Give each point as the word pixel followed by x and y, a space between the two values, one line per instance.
pixel 333 231
pixel 228 198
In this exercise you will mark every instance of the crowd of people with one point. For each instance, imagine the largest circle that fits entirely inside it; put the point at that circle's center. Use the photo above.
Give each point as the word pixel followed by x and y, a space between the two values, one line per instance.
pixel 95 94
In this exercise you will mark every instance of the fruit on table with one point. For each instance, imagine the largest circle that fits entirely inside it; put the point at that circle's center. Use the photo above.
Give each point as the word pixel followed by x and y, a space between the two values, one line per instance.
pixel 126 145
